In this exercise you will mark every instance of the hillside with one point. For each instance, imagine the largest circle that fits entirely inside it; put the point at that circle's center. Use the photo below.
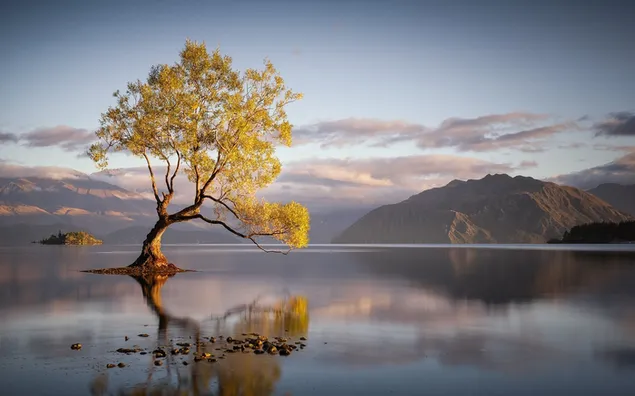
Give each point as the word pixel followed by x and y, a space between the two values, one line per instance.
pixel 80 202
pixel 495 209
pixel 619 196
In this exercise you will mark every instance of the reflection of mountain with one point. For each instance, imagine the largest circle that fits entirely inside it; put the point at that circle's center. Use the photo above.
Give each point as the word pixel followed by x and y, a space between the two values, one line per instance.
pixel 495 209
pixel 502 276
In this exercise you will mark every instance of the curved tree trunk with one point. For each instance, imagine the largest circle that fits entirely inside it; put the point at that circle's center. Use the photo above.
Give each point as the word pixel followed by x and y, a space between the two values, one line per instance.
pixel 151 256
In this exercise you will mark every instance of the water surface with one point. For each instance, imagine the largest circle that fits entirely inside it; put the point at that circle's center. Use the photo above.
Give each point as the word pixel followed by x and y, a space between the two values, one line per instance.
pixel 379 320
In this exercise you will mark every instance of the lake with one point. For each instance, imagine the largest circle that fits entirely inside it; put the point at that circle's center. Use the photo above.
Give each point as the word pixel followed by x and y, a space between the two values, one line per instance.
pixel 378 320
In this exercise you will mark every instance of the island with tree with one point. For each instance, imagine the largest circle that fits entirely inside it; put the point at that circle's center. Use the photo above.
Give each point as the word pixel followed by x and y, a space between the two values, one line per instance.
pixel 596 233
pixel 78 238
pixel 220 128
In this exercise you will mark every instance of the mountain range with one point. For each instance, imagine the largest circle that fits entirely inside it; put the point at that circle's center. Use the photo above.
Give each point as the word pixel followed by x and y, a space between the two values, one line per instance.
pixel 495 209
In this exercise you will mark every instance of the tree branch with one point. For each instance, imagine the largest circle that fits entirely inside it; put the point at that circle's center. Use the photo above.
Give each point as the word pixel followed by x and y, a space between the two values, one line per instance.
pixel 176 170
pixel 238 233
pixel 154 184
pixel 218 201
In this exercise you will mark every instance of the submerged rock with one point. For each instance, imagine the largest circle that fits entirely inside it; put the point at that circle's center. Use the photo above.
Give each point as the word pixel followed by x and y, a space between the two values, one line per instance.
pixel 160 353
pixel 121 365
pixel 76 347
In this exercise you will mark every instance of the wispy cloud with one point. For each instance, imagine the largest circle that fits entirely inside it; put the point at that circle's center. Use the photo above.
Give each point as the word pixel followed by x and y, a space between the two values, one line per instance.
pixel 354 131
pixel 12 170
pixel 522 131
pixel 6 137
pixel 621 171
pixel 616 124
pixel 65 137
pixel 373 181
pixel 339 183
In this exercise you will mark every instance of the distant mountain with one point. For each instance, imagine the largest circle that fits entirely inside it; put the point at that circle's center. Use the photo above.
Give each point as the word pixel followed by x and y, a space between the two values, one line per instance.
pixel 495 209
pixel 136 235
pixel 24 234
pixel 79 202
pixel 617 195
pixel 326 225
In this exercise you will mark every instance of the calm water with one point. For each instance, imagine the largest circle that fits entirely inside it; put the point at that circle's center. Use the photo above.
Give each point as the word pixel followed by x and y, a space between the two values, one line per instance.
pixel 379 320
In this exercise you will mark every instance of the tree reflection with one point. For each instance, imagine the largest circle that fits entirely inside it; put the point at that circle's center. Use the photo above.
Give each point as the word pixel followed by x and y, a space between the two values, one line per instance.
pixel 238 374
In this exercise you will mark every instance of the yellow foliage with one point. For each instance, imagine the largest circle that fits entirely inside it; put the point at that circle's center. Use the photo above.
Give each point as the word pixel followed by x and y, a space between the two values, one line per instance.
pixel 220 127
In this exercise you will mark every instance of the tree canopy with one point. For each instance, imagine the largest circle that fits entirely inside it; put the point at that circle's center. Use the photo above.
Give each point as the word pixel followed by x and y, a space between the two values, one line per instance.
pixel 220 127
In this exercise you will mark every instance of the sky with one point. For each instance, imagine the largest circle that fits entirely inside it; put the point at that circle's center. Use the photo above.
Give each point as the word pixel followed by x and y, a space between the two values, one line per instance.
pixel 399 96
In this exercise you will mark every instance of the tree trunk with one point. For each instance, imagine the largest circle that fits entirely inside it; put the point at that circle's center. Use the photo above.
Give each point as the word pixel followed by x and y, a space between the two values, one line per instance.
pixel 151 256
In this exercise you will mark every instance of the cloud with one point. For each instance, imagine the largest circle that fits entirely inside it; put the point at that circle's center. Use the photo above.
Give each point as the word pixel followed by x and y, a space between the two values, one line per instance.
pixel 12 170
pixel 337 183
pixel 522 131
pixel 353 131
pixel 65 137
pixel 616 124
pixel 6 137
pixel 493 132
pixel 620 171
pixel 320 183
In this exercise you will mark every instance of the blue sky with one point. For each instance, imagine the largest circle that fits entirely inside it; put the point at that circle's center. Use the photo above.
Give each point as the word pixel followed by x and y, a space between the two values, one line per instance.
pixel 418 62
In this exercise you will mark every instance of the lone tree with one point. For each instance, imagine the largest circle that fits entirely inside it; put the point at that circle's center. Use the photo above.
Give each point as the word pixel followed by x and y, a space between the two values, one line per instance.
pixel 218 126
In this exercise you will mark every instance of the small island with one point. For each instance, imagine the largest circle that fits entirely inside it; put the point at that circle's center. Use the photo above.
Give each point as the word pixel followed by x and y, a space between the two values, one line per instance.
pixel 79 238
pixel 599 233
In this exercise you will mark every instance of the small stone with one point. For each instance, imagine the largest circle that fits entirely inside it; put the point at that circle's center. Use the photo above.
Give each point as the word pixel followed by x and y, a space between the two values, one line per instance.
pixel 76 347
pixel 258 352
pixel 185 351
pixel 206 354
pixel 184 344
pixel 175 351
pixel 302 338
pixel 212 360
pixel 143 335
pixel 110 365
pixel 185 363
pixel 160 353
pixel 273 350
pixel 229 339
pixel 143 353
pixel 158 362
pixel 126 338
pixel 285 352
pixel 212 339
pixel 197 359
pixel 121 365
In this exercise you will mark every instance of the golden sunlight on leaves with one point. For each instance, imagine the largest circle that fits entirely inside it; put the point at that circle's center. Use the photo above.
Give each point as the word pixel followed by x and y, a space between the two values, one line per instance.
pixel 220 127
